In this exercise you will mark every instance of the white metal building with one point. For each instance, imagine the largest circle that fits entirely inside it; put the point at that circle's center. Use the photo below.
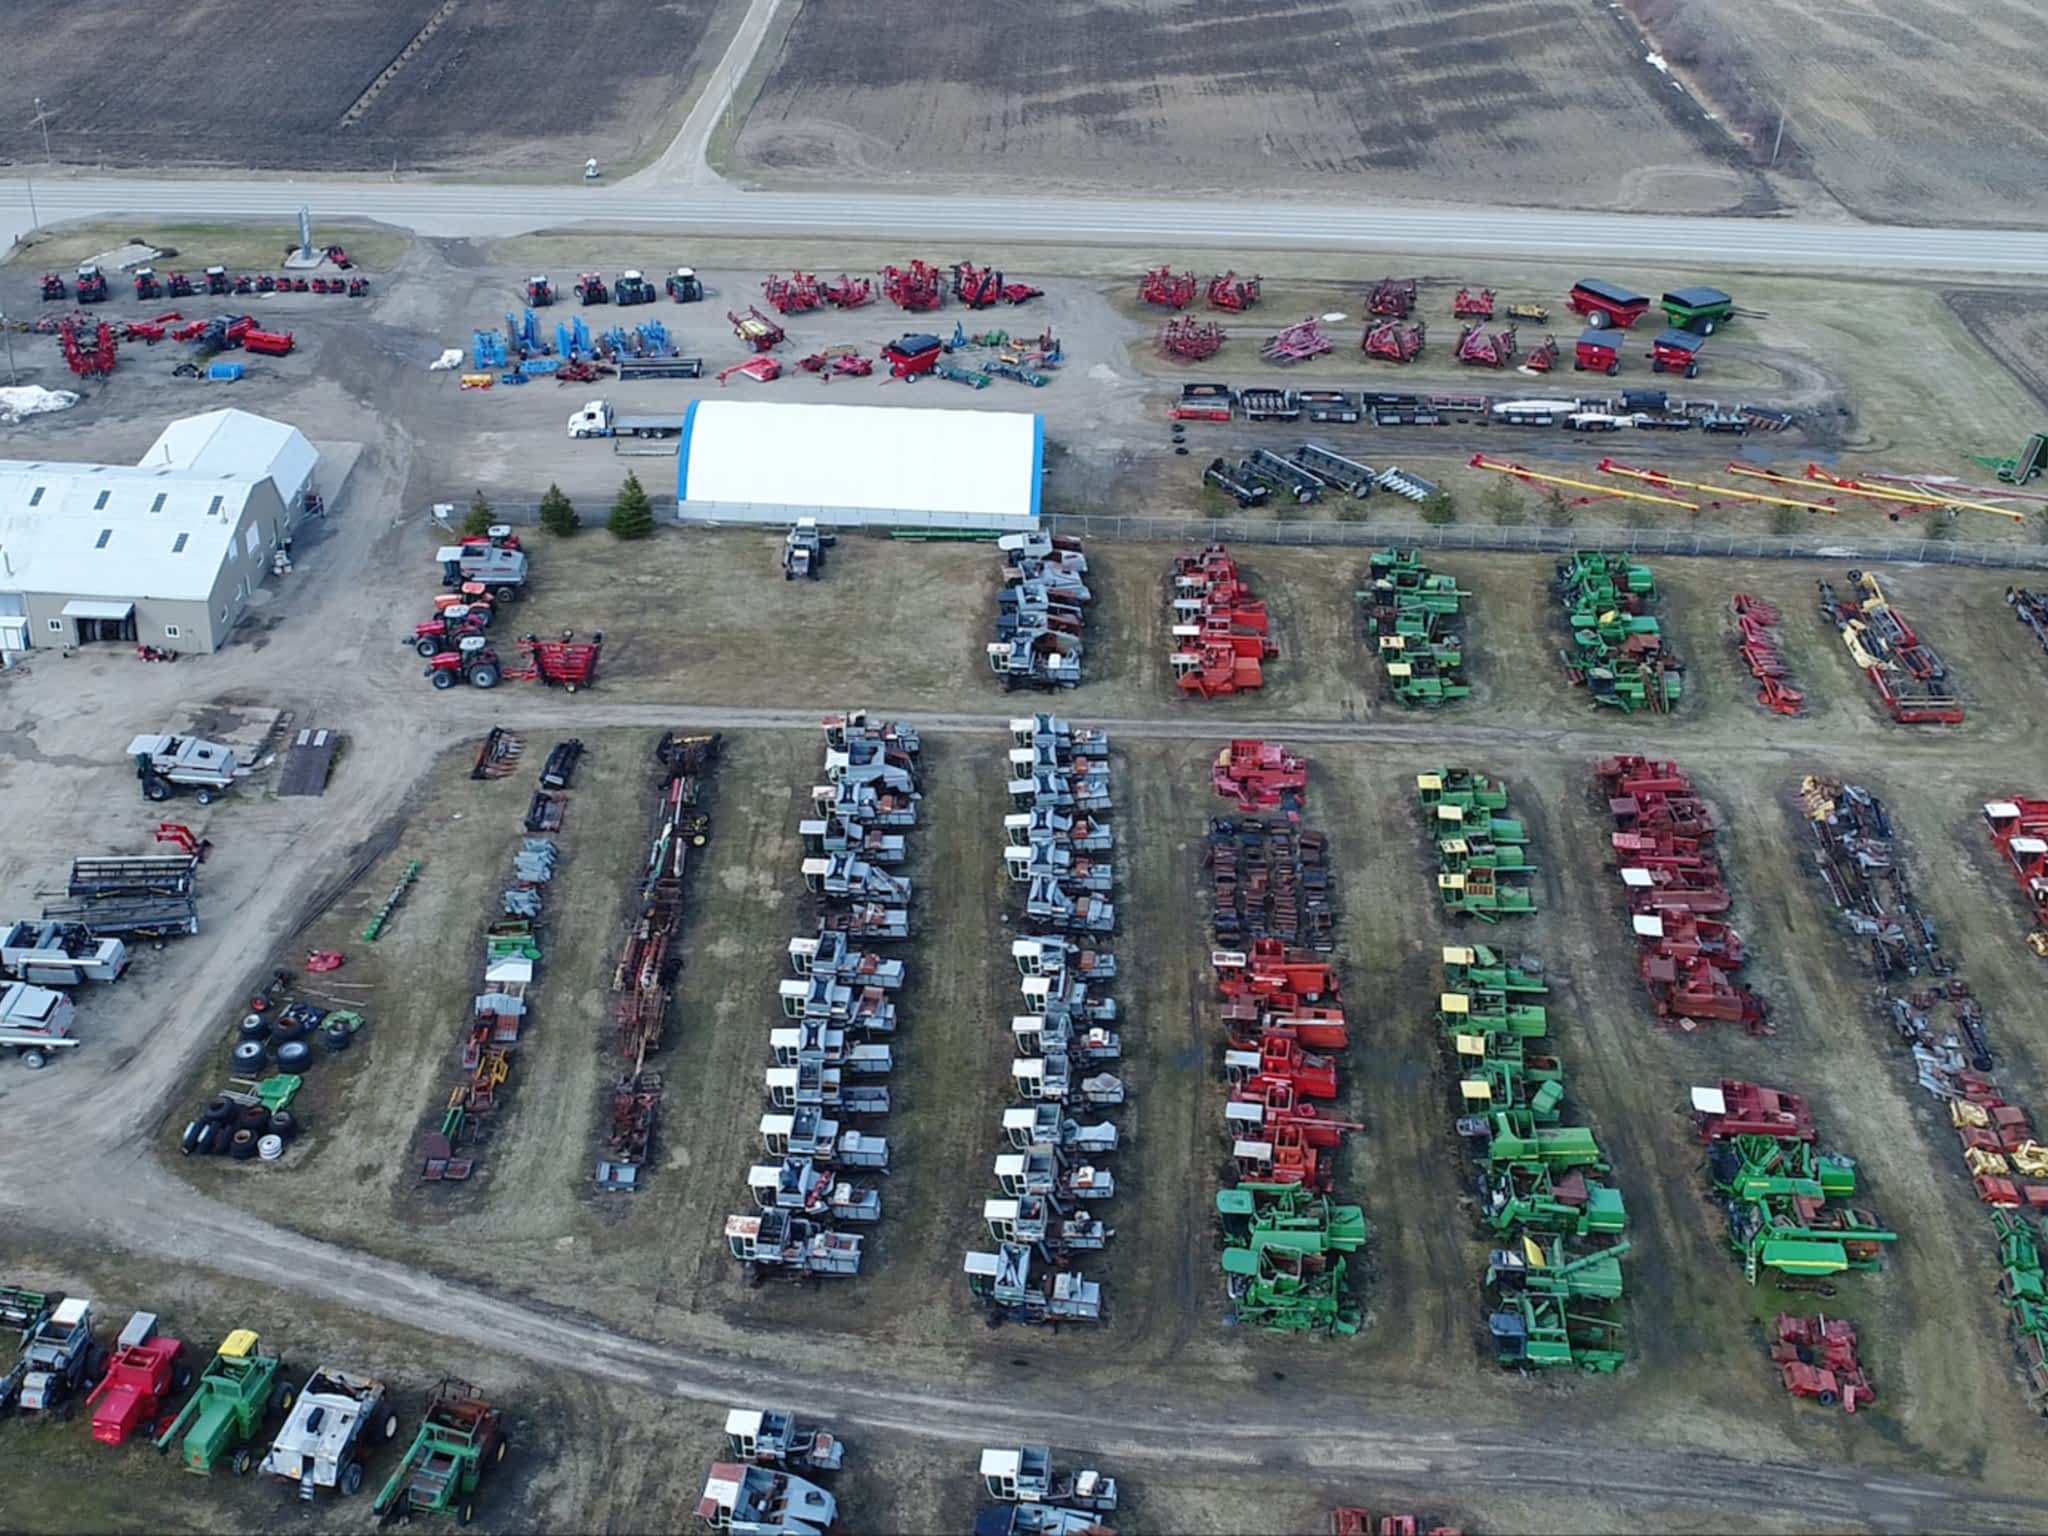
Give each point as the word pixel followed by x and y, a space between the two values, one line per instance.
pixel 901 466
pixel 165 551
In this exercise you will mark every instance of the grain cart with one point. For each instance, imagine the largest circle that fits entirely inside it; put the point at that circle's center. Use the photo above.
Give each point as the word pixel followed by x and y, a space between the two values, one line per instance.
pixel 759 1501
pixel 1604 304
pixel 1699 310
pixel 775 1438
pixel 1025 1475
pixel 145 1374
pixel 459 1437
pixel 57 1360
pixel 336 1417
pixel 166 764
pixel 236 1392
pixel 1676 351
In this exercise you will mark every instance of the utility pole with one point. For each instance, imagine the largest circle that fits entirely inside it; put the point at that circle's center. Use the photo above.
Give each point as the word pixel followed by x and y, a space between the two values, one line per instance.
pixel 12 377
pixel 1780 139
pixel 34 220
pixel 42 120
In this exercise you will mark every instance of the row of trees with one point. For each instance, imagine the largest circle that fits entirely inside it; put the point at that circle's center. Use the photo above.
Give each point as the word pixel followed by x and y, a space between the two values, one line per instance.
pixel 631 516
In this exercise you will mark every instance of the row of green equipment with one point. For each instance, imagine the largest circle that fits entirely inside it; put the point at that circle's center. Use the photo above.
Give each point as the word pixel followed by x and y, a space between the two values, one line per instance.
pixel 1409 614
pixel 1617 653
pixel 1786 1208
pixel 2023 1288
pixel 1555 1279
pixel 1483 867
pixel 1283 1257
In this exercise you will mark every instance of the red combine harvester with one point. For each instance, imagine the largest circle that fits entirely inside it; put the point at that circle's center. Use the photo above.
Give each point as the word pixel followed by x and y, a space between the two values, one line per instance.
pixel 1259 775
pixel 1737 1108
pixel 1189 339
pixel 142 1377
pixel 1483 349
pixel 1231 292
pixel 912 356
pixel 1604 304
pixel 918 288
pixel 1391 298
pixel 1167 288
pixel 1597 352
pixel 1473 306
pixel 1394 341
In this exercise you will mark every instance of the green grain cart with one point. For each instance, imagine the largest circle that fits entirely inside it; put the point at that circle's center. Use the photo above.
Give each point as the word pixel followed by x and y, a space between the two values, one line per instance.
pixel 226 1412
pixel 1702 311
pixel 460 1436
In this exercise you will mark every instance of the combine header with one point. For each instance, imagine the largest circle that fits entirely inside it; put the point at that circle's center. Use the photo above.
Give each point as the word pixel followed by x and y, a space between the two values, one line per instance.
pixel 1220 634
pixel 1297 343
pixel 1471 305
pixel 1167 288
pixel 1756 642
pixel 1409 615
pixel 1909 675
pixel 1480 348
pixel 1394 340
pixel 1231 292
pixel 1617 653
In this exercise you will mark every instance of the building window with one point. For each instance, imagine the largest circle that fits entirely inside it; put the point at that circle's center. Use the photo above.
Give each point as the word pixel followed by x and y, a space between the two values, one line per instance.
pixel 158 504
pixel 255 538
pixel 36 496
pixel 214 510
pixel 170 631
pixel 57 625
pixel 178 544
pixel 100 501
pixel 101 541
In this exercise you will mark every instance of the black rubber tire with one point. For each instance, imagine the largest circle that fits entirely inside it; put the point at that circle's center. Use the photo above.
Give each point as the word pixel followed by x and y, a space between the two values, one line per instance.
pixel 504 594
pixel 248 1055
pixel 1578 367
pixel 1692 370
pixel 1596 320
pixel 1707 327
pixel 242 1461
pixel 350 1483
pixel 428 649
pixel 254 1117
pixel 156 790
pixel 388 1430
pixel 253 1027
pixel 485 676
pixel 1826 1399
pixel 442 679
pixel 295 1056
pixel 189 1142
pixel 337 1037
pixel 242 1146
pixel 281 1398
pixel 1613 369
pixel 466 1513
pixel 286 1030
pixel 284 1125
pixel 203 796
pixel 181 1379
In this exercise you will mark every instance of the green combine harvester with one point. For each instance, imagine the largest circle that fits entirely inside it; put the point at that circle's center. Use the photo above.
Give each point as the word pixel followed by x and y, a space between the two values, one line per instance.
pixel 1409 615
pixel 224 1417
pixel 460 1436
pixel 1617 652
pixel 1483 866
pixel 1282 1257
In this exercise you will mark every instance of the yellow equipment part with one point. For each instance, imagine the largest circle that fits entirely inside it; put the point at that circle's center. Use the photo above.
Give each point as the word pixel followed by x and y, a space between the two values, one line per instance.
pixel 2031 1158
pixel 1982 1164
pixel 1469 1045
pixel 1474 1090
pixel 1533 1252
pixel 2037 941
pixel 238 1344
pixel 1962 1113
pixel 1460 954
pixel 1454 1002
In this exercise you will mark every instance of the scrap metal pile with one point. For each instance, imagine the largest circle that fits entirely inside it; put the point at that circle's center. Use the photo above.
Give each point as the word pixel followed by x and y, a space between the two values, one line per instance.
pixel 1756 642
pixel 644 979
pixel 1557 1281
pixel 1049 1191
pixel 1909 675
pixel 1409 615
pixel 1482 856
pixel 1220 631
pixel 1285 1240
pixel 1785 1200
pixel 1617 653
pixel 1041 612
pixel 1853 850
pixel 840 1009
pixel 1816 1357
pixel 1687 952
pixel 1270 875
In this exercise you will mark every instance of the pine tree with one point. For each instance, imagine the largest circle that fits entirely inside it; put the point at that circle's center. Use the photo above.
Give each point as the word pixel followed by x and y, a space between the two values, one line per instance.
pixel 1438 507
pixel 557 514
pixel 478 520
pixel 631 516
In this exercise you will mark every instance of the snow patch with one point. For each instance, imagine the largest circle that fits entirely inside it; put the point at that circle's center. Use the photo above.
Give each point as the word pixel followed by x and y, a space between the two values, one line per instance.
pixel 32 400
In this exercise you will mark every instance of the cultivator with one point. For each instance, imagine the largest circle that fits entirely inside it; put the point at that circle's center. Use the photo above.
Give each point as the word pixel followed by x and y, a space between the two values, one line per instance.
pixel 1485 349
pixel 1041 612
pixel 1483 867
pixel 88 346
pixel 797 294
pixel 1189 339
pixel 1786 1201
pixel 1391 297
pixel 1167 288
pixel 1409 614
pixel 1220 634
pixel 843 292
pixel 1670 869
pixel 1296 343
pixel 919 288
pixel 1543 357
pixel 1618 654
pixel 1394 340
pixel 1910 677
pixel 984 287
pixel 1230 292
pixel 1756 642
pixel 1047 1204
pixel 1472 304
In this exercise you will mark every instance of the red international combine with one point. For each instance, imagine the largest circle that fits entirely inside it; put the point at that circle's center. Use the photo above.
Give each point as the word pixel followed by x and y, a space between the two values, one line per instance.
pixel 141 1379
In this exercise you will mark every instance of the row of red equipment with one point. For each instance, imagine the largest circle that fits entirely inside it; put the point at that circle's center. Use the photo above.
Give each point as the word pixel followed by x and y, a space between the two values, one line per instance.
pixel 1687 954
pixel 1169 289
pixel 1756 642
pixel 922 287
pixel 1221 635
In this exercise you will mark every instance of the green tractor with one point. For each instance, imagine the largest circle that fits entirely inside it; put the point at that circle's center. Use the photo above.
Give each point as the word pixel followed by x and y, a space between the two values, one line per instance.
pixel 460 1436
pixel 225 1415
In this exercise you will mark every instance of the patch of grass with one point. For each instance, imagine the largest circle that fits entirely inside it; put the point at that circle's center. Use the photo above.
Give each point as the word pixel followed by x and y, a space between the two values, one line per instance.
pixel 370 246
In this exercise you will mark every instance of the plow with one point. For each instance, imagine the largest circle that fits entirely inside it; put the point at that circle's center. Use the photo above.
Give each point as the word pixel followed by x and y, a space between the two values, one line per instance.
pixel 1189 339
pixel 1391 298
pixel 1230 292
pixel 918 288
pixel 1617 652
pixel 1477 347
pixel 1409 615
pixel 797 294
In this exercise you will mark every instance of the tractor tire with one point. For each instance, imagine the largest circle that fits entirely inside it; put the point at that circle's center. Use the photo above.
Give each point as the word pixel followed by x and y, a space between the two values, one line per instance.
pixel 504 594
pixel 1825 1399
pixel 283 1124
pixel 254 1117
pixel 248 1056
pixel 281 1398
pixel 295 1056
pixel 1596 319
pixel 351 1480
pixel 467 1513
pixel 428 649
pixel 1706 327
pixel 242 1461
pixel 181 1379
pixel 442 679
pixel 388 1430
pixel 208 1138
pixel 1613 369
pixel 219 1107
pixel 254 1027
pixel 1692 370
pixel 1578 367
pixel 156 790
pixel 485 676
pixel 188 1142
pixel 286 1030
pixel 34 1060
pixel 1655 366
pixel 203 796
pixel 242 1146
pixel 336 1037
pixel 269 1148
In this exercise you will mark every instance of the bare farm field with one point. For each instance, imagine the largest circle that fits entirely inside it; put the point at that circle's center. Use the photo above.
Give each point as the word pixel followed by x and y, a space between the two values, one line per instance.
pixel 422 85
pixel 1902 111
pixel 1488 101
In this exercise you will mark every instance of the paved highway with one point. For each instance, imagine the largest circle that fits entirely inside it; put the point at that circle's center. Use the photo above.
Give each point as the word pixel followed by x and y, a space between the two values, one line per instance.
pixel 704 204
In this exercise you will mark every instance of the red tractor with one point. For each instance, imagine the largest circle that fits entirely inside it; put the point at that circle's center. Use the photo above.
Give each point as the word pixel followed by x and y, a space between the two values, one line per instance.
pixel 444 631
pixel 92 285
pixel 472 661
pixel 590 289
pixel 53 287
pixel 144 1375
pixel 147 285
pixel 540 290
